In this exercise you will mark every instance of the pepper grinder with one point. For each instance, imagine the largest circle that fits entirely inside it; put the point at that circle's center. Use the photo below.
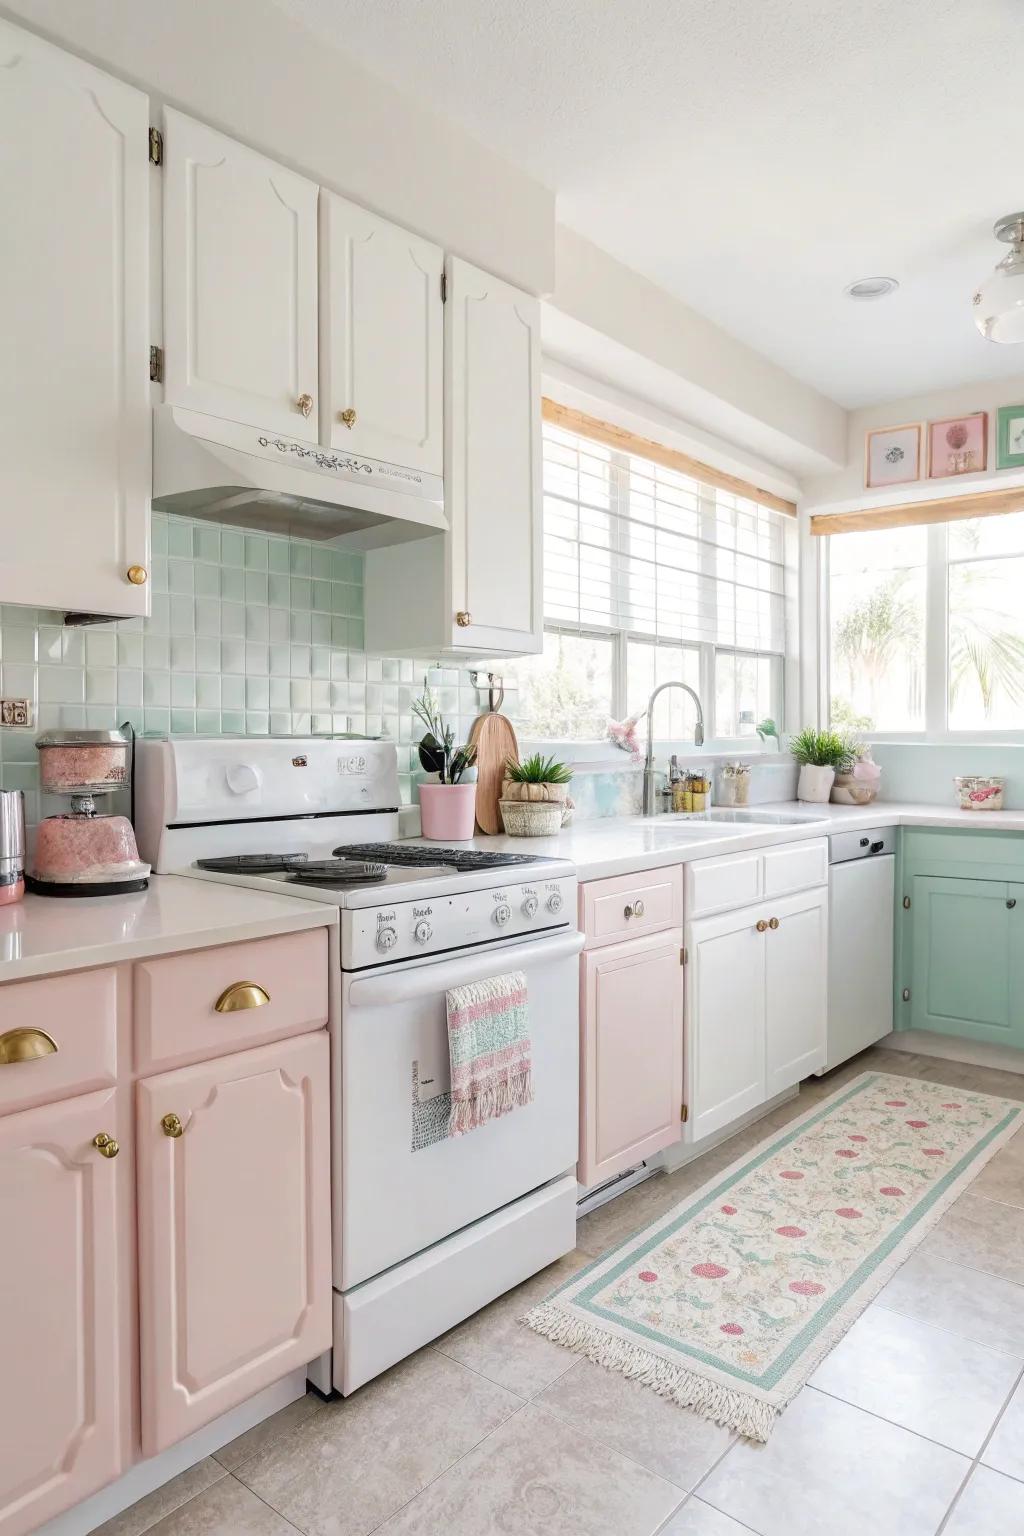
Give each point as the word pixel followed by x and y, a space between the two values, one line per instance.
pixel 12 846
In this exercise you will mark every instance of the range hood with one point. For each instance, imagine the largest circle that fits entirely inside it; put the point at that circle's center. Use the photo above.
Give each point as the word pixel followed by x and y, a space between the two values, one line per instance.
pixel 231 473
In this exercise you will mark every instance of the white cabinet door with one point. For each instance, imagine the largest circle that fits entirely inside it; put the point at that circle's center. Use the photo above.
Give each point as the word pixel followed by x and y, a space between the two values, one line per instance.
pixel 382 322
pixel 492 464
pixel 725 1026
pixel 74 315
pixel 240 283
pixel 796 994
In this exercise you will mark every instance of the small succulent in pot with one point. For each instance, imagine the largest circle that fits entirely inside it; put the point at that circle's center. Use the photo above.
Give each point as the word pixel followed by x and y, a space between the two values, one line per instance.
pixel 438 752
pixel 536 778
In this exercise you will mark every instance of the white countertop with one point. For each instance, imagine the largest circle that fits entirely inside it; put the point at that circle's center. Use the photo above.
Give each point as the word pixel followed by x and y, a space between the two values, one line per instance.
pixel 623 845
pixel 45 934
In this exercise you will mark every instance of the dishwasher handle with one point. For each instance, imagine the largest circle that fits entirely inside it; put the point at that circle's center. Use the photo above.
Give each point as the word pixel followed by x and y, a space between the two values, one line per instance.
pixel 394 985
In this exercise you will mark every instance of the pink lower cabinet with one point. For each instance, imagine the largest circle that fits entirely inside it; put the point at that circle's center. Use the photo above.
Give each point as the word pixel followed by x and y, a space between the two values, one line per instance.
pixel 234 1230
pixel 632 1053
pixel 65 1316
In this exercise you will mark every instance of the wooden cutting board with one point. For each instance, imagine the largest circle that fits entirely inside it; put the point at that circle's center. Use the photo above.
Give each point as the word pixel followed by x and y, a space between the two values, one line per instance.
pixel 495 743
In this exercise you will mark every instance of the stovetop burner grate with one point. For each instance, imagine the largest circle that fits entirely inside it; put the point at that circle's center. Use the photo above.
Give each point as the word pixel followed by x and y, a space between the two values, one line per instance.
pixel 413 856
pixel 251 863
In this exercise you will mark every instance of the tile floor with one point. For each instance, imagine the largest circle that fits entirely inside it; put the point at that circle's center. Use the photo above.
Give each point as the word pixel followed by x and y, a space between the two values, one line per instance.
pixel 912 1426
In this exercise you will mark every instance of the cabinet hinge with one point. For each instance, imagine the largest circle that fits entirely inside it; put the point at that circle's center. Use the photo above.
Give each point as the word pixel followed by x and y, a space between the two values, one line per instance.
pixel 156 365
pixel 684 1112
pixel 444 287
pixel 684 955
pixel 906 903
pixel 156 147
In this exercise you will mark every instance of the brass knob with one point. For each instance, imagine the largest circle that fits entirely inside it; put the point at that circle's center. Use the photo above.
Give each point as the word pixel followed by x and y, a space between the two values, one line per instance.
pixel 348 417
pixel 137 575
pixel 463 619
pixel 305 404
pixel 241 994
pixel 25 1045
pixel 761 925
pixel 171 1126
pixel 773 923
pixel 105 1145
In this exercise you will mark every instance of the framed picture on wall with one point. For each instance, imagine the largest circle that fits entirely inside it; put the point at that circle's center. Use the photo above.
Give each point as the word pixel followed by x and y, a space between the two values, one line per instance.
pixel 1010 437
pixel 892 455
pixel 958 445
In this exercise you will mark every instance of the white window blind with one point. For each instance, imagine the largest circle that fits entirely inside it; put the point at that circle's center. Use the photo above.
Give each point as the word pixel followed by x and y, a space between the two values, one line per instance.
pixel 632 546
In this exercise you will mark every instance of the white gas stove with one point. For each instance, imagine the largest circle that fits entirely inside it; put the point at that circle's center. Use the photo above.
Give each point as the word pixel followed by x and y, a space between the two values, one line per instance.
pixel 427 1228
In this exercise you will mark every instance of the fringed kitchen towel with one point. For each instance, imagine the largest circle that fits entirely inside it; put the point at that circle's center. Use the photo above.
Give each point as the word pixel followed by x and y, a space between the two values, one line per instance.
pixel 489 1043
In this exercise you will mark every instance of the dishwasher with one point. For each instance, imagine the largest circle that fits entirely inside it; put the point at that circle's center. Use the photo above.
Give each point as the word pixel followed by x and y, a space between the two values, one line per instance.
pixel 861 878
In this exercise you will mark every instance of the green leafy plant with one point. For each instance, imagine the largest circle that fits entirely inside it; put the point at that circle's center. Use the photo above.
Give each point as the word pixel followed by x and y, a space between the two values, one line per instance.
pixel 825 749
pixel 768 731
pixel 438 752
pixel 538 770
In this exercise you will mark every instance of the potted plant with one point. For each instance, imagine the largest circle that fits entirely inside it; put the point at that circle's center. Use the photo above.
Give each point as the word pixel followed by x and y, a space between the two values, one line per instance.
pixel 448 807
pixel 821 755
pixel 535 796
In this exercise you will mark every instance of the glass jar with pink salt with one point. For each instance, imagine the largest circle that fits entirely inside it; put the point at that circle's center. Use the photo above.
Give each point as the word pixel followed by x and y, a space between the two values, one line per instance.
pixel 77 762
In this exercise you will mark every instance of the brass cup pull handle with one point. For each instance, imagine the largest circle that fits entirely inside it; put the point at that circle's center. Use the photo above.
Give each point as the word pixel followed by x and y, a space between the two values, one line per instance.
pixel 773 923
pixel 241 994
pixel 172 1126
pixel 761 925
pixel 137 575
pixel 463 619
pixel 305 404
pixel 634 909
pixel 26 1045
pixel 105 1145
pixel 348 417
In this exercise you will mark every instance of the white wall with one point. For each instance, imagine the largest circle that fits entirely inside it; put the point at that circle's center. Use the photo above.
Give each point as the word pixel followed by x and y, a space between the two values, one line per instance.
pixel 246 68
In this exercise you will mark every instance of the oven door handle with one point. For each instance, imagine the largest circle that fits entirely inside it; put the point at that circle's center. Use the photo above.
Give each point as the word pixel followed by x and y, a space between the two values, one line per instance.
pixel 397 986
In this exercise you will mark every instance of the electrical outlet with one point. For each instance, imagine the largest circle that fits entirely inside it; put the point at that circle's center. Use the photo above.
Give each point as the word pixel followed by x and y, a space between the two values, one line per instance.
pixel 15 712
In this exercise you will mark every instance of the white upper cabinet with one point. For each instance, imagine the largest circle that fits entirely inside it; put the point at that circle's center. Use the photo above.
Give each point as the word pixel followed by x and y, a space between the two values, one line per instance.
pixel 74 366
pixel 240 283
pixel 381 347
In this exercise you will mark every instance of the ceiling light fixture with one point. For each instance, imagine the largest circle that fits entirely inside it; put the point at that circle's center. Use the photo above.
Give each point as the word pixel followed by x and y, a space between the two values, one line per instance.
pixel 871 288
pixel 999 302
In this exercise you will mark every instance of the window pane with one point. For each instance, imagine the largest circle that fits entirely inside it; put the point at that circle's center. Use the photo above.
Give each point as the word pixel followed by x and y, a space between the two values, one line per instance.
pixel 877 603
pixel 748 689
pixel 565 694
pixel 986 642
pixel 646 666
pixel 987 536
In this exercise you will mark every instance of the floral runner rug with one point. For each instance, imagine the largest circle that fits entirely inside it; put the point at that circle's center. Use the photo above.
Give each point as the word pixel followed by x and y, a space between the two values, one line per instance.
pixel 728 1302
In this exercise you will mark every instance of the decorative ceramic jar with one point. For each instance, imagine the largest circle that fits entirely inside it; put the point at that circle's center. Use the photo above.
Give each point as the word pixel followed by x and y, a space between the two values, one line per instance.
pixel 980 792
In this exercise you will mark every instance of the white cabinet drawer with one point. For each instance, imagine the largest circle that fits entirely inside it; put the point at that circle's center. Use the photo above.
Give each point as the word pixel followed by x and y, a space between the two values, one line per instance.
pixel 716 885
pixel 795 867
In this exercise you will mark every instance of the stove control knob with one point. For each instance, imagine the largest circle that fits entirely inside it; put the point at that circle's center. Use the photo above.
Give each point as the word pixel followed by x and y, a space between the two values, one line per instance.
pixel 502 913
pixel 554 902
pixel 422 932
pixel 529 907
pixel 387 938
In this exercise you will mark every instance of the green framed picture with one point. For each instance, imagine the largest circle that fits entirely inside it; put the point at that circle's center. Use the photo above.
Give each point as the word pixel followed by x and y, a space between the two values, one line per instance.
pixel 1010 437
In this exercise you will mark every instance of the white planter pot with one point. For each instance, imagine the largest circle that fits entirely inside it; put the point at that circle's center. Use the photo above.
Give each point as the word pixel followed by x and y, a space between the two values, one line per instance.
pixel 815 784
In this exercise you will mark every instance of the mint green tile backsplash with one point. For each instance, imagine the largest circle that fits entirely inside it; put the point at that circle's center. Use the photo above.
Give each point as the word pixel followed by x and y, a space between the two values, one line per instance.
pixel 250 634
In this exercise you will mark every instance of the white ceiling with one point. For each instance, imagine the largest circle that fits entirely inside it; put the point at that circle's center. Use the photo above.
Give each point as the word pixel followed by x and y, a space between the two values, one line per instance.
pixel 750 156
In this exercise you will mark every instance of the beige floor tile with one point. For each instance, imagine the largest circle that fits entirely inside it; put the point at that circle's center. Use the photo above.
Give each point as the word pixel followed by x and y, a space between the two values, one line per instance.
pixel 261 1436
pixel 671 1441
pixel 494 1341
pixel 535 1476
pixel 923 1378
pixel 357 1461
pixel 990 1505
pixel 1003 1178
pixel 982 1234
pixel 1005 1451
pixel 698 1519
pixel 830 1467
pixel 225 1509
pixel 149 1511
pixel 966 1301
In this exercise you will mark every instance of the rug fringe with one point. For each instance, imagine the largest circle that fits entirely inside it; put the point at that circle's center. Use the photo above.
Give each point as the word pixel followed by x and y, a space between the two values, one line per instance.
pixel 748 1415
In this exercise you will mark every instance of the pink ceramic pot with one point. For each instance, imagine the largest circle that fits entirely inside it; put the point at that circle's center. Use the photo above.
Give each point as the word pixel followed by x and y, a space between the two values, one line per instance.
pixel 448 812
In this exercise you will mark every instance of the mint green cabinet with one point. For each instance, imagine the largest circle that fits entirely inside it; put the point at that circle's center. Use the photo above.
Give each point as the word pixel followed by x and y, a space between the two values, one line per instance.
pixel 968 936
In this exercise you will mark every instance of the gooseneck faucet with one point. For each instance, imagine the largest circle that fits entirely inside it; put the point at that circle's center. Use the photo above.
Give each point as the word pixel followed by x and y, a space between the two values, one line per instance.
pixel 698 739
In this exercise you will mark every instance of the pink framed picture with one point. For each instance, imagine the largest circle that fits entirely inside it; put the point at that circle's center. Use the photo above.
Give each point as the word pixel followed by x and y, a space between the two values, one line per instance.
pixel 892 455
pixel 957 446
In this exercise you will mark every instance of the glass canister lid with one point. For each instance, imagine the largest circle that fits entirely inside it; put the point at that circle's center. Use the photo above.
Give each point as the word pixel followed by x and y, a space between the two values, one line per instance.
pixel 82 739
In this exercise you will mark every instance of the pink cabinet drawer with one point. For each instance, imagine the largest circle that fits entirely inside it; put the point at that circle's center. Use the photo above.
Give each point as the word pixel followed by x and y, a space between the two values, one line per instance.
pixel 58 1036
pixel 629 906
pixel 266 989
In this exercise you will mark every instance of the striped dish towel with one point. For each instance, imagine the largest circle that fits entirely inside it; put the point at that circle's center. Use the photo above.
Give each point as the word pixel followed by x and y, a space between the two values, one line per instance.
pixel 489 1045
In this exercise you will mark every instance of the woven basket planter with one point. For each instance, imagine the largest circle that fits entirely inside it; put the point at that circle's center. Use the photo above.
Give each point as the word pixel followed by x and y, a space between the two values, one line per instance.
pixel 531 818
